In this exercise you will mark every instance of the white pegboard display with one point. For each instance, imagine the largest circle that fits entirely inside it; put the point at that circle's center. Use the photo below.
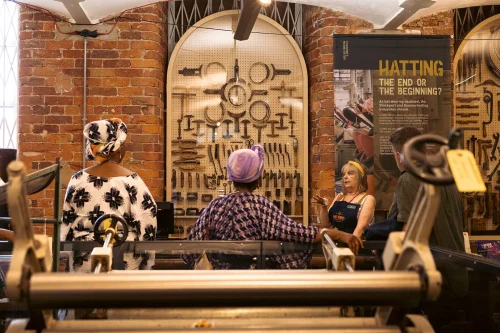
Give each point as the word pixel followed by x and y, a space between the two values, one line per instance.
pixel 224 95
pixel 477 110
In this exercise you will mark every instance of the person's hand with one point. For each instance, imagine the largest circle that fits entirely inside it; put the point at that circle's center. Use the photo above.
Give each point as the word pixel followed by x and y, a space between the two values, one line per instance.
pixel 353 242
pixel 319 200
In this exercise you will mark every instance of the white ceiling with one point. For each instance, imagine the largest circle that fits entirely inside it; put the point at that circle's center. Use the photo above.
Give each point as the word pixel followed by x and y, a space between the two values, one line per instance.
pixel 378 12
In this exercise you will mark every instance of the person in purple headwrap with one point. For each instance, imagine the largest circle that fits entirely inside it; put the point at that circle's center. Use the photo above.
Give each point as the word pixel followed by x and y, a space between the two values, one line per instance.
pixel 242 215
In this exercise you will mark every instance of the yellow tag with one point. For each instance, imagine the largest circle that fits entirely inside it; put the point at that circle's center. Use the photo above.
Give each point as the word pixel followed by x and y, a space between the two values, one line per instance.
pixel 465 171
pixel 106 225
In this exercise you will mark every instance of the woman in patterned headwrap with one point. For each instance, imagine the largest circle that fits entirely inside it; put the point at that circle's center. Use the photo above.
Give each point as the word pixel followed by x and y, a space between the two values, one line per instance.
pixel 243 215
pixel 108 188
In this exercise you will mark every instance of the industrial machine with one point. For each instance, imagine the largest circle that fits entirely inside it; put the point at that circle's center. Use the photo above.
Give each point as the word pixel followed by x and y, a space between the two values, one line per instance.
pixel 233 301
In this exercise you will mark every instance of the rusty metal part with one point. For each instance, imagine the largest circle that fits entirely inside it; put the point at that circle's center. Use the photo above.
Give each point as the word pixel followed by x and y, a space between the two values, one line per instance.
pixel 259 128
pixel 219 92
pixel 245 123
pixel 468 114
pixel 277 72
pixel 465 122
pixel 258 92
pixel 281 126
pixel 266 116
pixel 273 123
pixel 189 128
pixel 236 117
pixel 192 71
pixel 266 67
pixel 467 99
pixel 184 99
pixel 198 123
pixel 214 121
pixel 496 136
pixel 227 135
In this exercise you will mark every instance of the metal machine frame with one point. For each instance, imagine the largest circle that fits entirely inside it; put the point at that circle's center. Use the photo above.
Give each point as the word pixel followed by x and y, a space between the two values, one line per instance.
pixel 411 277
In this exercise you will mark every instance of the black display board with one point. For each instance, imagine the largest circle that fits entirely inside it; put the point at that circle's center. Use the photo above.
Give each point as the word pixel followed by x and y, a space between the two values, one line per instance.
pixel 383 82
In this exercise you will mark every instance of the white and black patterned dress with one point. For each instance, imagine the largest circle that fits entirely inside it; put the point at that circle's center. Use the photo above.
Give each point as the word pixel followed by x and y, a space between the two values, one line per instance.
pixel 88 197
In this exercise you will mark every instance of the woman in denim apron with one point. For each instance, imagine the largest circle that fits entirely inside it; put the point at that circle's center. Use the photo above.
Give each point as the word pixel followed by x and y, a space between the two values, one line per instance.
pixel 352 210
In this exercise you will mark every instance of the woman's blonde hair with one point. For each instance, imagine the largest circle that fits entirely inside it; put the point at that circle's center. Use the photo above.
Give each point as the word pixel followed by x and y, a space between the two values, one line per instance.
pixel 361 177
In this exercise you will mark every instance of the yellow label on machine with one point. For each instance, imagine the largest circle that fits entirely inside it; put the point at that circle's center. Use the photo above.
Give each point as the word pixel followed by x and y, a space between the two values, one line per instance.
pixel 465 171
pixel 107 224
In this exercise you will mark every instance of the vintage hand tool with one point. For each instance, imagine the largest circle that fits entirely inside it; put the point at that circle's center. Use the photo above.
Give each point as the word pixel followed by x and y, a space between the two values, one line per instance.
pixel 284 89
pixel 277 72
pixel 211 157
pixel 236 77
pixel 295 152
pixel 245 123
pixel 288 155
pixel 292 123
pixel 467 115
pixel 174 178
pixel 296 175
pixel 277 153
pixel 182 179
pixel 191 71
pixel 216 156
pixel 236 117
pixel 465 122
pixel 189 128
pixel 190 180
pixel 198 183
pixel 184 99
pixel 214 128
pixel 182 162
pixel 281 153
pixel 473 144
pixel 259 128
pixel 467 106
pixel 198 123
pixel 257 93
pixel 490 176
pixel 179 132
pixel 467 99
pixel 283 178
pixel 192 196
pixel 288 101
pixel 227 122
pixel 220 92
pixel 281 126
pixel 215 121
pixel 266 153
pixel 274 175
pixel 488 99
pixel 266 67
pixel 266 116
pixel 496 136
pixel 271 152
pixel 192 211
pixel 177 196
pixel 207 197
pixel 486 164
pixel 479 153
pixel 273 123
pixel 266 178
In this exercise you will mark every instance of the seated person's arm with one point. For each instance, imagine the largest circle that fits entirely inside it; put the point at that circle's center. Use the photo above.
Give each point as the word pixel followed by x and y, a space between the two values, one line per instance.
pixel 323 210
pixel 278 226
pixel 365 216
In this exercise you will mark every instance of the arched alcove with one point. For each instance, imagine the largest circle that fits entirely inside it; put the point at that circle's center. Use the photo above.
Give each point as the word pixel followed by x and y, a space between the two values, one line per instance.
pixel 477 108
pixel 203 62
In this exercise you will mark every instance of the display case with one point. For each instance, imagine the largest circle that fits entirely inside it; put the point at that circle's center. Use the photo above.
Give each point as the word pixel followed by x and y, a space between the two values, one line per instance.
pixel 224 95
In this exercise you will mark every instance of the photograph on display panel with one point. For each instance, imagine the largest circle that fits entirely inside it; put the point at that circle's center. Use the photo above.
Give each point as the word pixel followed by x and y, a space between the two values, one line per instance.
pixel 383 83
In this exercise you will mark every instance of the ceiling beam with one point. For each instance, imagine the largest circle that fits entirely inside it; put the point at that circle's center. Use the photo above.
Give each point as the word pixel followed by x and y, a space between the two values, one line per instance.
pixel 76 11
pixel 247 19
pixel 410 7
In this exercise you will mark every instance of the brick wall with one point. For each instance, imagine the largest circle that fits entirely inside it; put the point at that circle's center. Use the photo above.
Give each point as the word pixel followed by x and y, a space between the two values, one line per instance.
pixel 126 75
pixel 319 24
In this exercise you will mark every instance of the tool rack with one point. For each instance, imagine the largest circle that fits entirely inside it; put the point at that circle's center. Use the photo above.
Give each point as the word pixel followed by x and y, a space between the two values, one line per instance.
pixel 225 95
pixel 477 110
